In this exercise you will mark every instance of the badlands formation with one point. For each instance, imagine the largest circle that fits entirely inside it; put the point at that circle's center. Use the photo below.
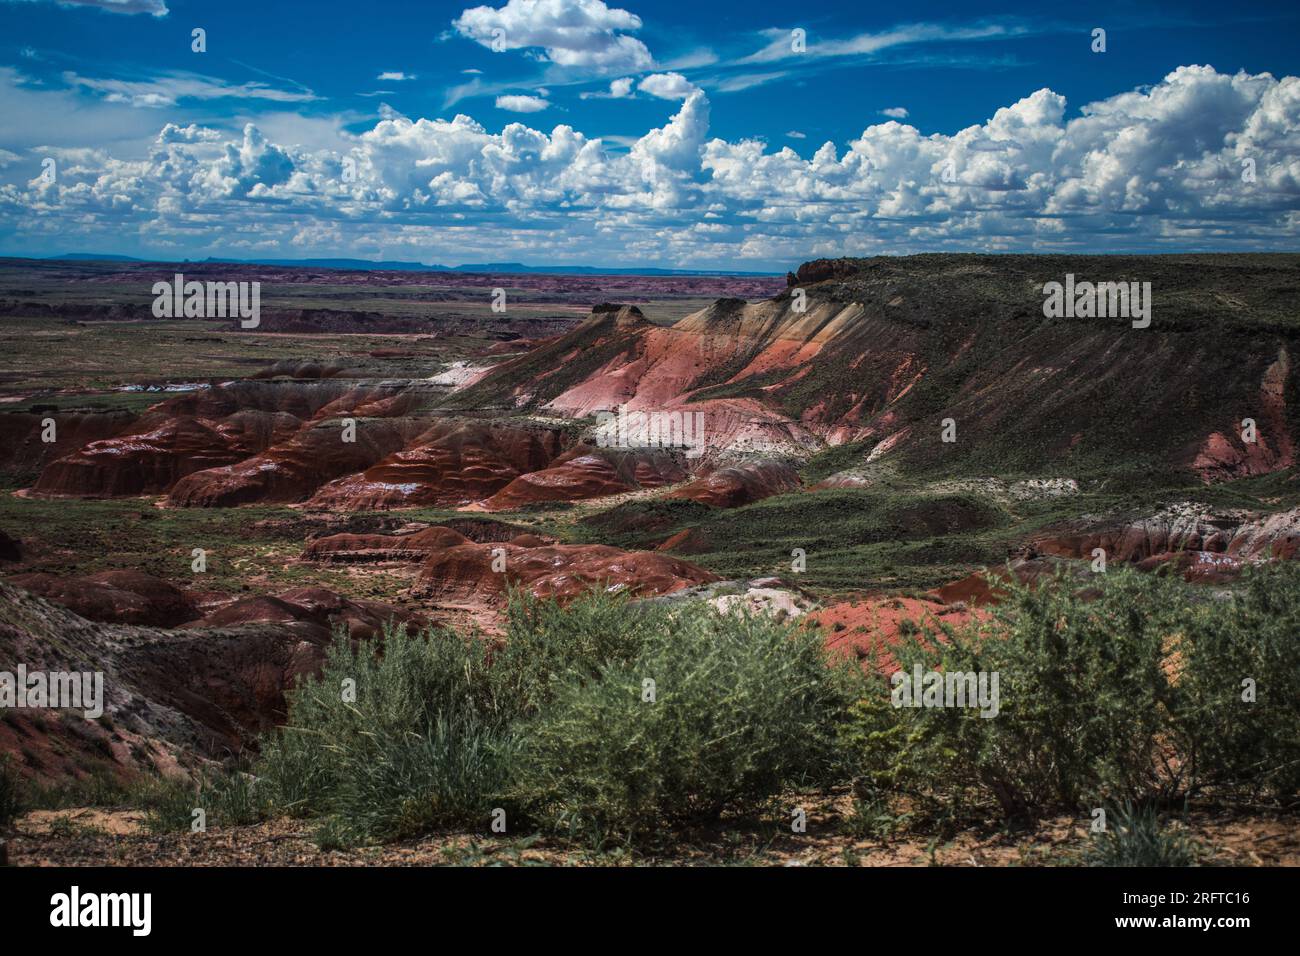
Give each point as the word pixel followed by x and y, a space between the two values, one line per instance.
pixel 937 378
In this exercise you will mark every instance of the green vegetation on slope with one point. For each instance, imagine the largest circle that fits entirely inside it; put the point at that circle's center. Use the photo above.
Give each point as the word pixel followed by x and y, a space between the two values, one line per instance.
pixel 606 722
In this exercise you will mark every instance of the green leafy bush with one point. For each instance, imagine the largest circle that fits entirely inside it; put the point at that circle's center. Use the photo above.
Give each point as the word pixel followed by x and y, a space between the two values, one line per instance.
pixel 1122 687
pixel 1115 687
pixel 1083 701
pixel 742 708
pixel 423 744
pixel 1247 645
pixel 547 643
pixel 168 804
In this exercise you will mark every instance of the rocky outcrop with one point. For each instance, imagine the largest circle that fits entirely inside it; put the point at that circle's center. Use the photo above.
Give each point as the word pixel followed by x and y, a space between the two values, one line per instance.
pixel 169 696
pixel 882 351
pixel 313 614
pixel 24 452
pixel 361 548
pixel 484 572
pixel 820 270
pixel 213 428
pixel 1185 527
pixel 453 463
pixel 588 472
pixel 736 485
pixel 116 597
pixel 294 470
pixel 150 462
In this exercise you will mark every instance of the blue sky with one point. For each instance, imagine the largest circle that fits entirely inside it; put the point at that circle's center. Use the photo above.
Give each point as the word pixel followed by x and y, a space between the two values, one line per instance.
pixel 661 134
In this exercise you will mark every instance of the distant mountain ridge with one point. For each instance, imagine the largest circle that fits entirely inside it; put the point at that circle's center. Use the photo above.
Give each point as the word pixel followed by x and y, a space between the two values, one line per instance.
pixel 365 265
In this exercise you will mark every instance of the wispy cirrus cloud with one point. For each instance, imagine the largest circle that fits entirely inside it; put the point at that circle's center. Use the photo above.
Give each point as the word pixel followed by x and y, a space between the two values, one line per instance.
pixel 171 88
pixel 746 81
pixel 157 8
pixel 781 45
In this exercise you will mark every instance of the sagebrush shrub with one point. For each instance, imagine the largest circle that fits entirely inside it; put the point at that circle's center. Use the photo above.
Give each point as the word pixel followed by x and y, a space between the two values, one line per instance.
pixel 422 744
pixel 1084 698
pixel 743 707
pixel 547 643
pixel 1247 644
pixel 1115 687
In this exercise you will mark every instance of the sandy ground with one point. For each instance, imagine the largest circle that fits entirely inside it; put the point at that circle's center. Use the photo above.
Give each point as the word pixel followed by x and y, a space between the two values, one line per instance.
pixel 88 837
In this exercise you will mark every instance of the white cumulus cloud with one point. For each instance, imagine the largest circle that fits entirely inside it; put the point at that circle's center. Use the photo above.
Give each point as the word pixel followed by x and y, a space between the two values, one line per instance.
pixel 1158 168
pixel 667 86
pixel 576 33
pixel 516 103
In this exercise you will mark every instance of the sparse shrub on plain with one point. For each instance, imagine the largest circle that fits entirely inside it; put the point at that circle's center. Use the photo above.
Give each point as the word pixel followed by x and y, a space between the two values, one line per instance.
pixel 232 798
pixel 1128 689
pixel 168 803
pixel 873 816
pixel 1112 688
pixel 1136 838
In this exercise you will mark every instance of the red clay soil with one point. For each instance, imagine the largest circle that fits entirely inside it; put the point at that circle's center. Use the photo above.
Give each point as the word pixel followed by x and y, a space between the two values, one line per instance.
pixel 22 449
pixel 687 541
pixel 1222 457
pixel 293 470
pixel 147 462
pixel 977 590
pixel 248 441
pixel 204 429
pixel 564 571
pixel 529 540
pixel 868 628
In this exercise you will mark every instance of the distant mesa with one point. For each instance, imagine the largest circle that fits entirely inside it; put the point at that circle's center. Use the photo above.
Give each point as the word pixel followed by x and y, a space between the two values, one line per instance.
pixel 876 355
pixel 388 265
